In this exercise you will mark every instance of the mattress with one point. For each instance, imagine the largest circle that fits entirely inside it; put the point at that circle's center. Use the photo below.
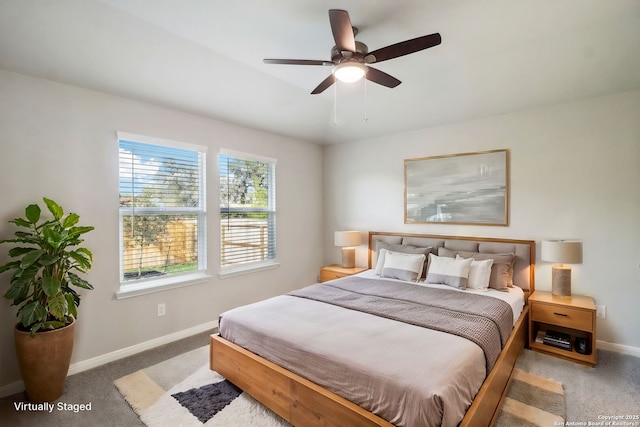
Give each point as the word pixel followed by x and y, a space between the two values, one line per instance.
pixel 406 374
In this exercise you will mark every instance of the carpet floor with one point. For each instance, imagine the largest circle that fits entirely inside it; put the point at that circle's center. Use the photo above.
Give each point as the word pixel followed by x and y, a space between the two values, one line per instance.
pixel 170 393
pixel 611 388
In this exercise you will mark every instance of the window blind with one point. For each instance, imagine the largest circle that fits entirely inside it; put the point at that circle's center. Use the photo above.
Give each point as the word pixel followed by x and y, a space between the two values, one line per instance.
pixel 162 208
pixel 247 210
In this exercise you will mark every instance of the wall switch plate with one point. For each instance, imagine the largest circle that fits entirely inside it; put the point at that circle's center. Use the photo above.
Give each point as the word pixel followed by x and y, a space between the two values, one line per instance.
pixel 601 311
pixel 162 309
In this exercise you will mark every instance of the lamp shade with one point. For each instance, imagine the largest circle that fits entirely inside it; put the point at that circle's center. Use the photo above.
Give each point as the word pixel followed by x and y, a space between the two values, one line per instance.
pixel 347 238
pixel 562 251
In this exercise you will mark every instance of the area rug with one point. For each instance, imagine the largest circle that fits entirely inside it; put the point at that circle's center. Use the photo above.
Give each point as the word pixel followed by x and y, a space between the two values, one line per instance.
pixel 183 391
pixel 532 401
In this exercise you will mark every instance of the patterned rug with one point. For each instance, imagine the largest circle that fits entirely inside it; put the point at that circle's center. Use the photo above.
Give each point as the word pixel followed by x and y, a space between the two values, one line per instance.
pixel 162 396
pixel 532 401
pixel 171 393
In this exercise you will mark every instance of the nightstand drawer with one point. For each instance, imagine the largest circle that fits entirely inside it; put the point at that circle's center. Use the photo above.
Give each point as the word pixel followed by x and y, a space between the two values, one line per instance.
pixel 330 275
pixel 562 316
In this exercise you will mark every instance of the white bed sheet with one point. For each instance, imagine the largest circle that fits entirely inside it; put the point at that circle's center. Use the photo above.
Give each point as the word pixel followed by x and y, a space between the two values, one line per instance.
pixel 514 297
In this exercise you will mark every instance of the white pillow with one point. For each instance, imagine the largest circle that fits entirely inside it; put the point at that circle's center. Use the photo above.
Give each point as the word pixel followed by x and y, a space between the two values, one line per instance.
pixel 380 263
pixel 407 267
pixel 479 273
pixel 449 271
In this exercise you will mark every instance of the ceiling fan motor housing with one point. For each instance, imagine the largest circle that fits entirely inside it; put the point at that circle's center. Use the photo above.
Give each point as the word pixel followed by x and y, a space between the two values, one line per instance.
pixel 361 51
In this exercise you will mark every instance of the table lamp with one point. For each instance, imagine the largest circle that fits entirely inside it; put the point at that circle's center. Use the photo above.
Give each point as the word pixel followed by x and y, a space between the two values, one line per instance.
pixel 348 240
pixel 562 252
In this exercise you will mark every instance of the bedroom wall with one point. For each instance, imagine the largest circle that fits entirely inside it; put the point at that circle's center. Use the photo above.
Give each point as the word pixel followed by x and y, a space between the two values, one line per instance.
pixel 59 141
pixel 575 170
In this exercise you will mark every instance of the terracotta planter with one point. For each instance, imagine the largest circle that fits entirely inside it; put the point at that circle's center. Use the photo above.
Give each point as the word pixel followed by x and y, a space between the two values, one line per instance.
pixel 44 361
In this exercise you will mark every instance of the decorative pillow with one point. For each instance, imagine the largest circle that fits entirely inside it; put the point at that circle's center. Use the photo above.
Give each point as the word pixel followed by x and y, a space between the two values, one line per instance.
pixel 382 247
pixel 402 266
pixel 449 271
pixel 479 273
pixel 501 270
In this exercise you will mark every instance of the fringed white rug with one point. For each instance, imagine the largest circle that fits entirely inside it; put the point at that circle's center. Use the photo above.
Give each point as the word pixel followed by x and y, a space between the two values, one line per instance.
pixel 203 398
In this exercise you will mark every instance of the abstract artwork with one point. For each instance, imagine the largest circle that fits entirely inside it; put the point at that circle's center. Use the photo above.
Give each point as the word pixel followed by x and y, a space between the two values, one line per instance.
pixel 467 188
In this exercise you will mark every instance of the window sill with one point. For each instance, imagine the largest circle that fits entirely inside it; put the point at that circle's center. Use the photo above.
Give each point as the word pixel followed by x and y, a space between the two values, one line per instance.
pixel 239 271
pixel 128 290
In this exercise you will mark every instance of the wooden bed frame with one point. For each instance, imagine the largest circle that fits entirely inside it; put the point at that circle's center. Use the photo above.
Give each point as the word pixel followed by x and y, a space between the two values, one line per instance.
pixel 304 403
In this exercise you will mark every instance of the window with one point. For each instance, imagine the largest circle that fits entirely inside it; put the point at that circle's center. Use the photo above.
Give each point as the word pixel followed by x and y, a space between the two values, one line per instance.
pixel 162 213
pixel 247 212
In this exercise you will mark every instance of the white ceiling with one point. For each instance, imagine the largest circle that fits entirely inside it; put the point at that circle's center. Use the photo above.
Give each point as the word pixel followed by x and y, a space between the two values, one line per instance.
pixel 205 57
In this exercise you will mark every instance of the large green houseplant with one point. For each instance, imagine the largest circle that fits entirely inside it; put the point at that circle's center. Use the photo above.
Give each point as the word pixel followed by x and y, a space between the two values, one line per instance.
pixel 46 261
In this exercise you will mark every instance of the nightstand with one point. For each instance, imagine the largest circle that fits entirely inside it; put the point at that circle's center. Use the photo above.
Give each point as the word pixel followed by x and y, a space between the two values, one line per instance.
pixel 574 315
pixel 335 271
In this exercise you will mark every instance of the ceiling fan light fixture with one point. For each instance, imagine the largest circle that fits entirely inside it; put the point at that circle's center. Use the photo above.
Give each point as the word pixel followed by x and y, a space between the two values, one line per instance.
pixel 349 71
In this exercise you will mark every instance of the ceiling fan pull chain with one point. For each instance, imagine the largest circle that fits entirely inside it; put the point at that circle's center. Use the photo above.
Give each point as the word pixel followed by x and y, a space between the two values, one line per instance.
pixel 335 104
pixel 366 116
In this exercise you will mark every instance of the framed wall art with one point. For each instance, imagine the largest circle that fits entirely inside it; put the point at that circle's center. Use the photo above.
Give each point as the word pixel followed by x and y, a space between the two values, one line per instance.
pixel 467 188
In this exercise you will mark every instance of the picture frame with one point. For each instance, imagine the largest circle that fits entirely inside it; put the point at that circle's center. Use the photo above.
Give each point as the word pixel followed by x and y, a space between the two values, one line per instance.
pixel 465 188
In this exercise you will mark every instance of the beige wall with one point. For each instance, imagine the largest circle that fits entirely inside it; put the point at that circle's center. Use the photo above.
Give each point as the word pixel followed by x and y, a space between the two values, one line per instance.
pixel 60 142
pixel 575 171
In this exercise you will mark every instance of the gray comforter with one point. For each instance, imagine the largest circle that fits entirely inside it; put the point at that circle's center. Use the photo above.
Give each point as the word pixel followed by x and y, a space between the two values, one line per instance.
pixel 484 320
pixel 409 375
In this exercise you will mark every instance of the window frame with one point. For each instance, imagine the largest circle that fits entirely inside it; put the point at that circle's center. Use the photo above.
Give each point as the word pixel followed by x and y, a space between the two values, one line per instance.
pixel 130 288
pixel 271 210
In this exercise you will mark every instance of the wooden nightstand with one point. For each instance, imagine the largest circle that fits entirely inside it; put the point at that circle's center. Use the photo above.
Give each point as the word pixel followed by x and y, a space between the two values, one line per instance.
pixel 336 271
pixel 574 315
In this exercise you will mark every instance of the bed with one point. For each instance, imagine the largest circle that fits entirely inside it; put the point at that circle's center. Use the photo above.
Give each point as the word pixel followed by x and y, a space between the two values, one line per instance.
pixel 331 354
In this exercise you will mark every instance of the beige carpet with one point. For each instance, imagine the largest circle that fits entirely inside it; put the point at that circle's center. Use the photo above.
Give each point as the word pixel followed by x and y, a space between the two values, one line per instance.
pixel 184 391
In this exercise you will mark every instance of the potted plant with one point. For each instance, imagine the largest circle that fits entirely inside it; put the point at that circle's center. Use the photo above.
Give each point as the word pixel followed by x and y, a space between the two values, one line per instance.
pixel 45 263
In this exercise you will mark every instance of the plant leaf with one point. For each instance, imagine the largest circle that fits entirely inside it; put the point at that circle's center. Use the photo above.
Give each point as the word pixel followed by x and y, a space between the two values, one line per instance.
pixel 76 231
pixel 47 259
pixel 32 212
pixel 87 252
pixel 58 306
pixel 54 208
pixel 17 289
pixel 51 286
pixel 9 266
pixel 71 220
pixel 52 236
pixel 71 304
pixel 81 259
pixel 31 258
pixel 20 222
pixel 31 313
pixel 79 282
pixel 17 251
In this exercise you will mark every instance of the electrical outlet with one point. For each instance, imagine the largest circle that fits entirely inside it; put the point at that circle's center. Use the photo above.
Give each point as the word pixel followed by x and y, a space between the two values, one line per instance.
pixel 601 311
pixel 162 309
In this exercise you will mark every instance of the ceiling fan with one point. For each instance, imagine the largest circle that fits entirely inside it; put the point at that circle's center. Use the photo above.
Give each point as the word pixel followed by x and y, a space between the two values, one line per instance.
pixel 350 59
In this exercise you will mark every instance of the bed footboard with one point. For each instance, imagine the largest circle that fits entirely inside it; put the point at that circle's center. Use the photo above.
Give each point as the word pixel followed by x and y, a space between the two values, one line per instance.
pixel 304 403
pixel 294 398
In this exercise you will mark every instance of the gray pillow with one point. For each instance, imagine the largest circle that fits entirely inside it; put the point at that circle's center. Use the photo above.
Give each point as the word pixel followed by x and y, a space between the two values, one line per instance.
pixel 501 270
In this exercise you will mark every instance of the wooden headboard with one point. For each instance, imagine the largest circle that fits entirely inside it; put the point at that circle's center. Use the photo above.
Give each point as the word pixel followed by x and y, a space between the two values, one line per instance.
pixel 525 250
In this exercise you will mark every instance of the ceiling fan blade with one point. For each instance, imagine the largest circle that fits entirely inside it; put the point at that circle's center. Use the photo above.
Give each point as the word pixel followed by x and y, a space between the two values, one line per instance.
pixel 296 62
pixel 324 85
pixel 381 78
pixel 342 30
pixel 403 48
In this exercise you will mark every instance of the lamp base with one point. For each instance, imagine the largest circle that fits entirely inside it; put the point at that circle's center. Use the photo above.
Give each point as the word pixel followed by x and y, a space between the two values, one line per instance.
pixel 561 280
pixel 348 257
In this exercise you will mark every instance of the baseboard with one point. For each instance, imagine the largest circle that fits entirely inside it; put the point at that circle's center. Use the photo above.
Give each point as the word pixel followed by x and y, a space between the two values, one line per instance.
pixel 94 362
pixel 618 348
